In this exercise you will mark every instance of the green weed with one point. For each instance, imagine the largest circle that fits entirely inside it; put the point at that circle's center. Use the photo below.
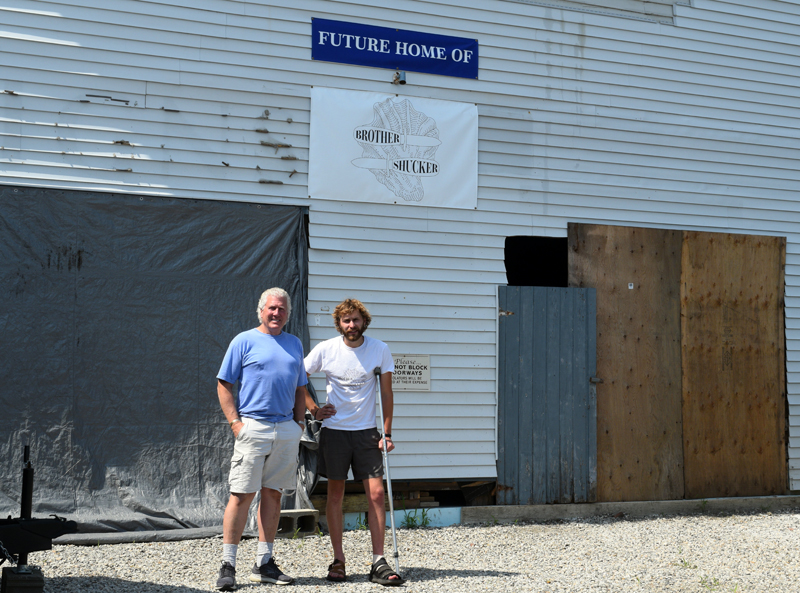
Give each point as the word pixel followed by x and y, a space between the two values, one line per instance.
pixel 416 519
pixel 683 562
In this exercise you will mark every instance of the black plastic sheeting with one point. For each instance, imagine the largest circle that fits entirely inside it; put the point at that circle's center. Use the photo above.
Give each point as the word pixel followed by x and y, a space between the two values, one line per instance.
pixel 115 313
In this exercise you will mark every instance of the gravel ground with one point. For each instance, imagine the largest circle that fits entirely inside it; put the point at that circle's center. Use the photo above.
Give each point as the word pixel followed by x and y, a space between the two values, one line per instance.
pixel 743 553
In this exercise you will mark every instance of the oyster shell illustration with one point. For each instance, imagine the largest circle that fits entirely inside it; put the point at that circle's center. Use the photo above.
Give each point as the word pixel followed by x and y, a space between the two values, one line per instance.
pixel 399 147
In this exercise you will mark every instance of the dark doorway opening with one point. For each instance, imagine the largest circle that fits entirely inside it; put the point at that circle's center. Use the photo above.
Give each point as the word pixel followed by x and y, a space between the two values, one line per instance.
pixel 536 261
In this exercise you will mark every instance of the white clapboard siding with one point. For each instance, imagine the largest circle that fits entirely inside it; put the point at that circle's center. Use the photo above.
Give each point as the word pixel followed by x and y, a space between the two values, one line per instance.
pixel 655 10
pixel 455 285
pixel 463 380
pixel 602 111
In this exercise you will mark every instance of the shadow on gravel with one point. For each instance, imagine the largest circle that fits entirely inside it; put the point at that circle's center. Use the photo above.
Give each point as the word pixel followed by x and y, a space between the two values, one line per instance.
pixel 418 574
pixel 412 574
pixel 111 585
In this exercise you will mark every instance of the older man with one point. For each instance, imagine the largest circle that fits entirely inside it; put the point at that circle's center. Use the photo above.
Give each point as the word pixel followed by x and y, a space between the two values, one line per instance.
pixel 349 437
pixel 266 420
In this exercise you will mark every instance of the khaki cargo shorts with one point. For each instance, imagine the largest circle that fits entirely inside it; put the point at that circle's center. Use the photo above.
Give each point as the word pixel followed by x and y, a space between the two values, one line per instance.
pixel 265 456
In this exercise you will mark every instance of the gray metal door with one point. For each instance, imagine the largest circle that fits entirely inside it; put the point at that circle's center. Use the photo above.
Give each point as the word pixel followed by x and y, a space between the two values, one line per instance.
pixel 547 416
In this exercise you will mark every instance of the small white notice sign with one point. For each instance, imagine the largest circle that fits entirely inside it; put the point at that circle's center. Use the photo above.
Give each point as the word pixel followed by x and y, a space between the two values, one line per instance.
pixel 412 372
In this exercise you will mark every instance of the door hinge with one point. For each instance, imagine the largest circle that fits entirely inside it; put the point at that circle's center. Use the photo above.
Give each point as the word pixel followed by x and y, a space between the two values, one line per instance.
pixel 505 313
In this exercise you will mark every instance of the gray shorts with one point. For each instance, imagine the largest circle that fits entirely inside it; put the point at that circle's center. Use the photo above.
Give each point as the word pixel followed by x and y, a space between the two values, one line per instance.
pixel 265 456
pixel 342 449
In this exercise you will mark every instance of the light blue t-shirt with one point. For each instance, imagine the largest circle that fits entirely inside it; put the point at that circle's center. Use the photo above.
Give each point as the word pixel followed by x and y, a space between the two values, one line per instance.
pixel 268 369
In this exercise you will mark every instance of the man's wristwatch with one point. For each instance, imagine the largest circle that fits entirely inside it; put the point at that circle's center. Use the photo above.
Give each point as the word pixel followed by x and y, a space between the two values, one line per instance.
pixel 234 421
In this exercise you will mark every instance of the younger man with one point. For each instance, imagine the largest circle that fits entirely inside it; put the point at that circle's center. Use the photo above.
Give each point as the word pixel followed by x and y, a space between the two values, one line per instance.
pixel 349 437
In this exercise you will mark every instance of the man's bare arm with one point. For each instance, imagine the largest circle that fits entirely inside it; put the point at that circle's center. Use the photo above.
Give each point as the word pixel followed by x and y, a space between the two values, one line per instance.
pixel 387 401
pixel 301 396
pixel 318 412
pixel 227 401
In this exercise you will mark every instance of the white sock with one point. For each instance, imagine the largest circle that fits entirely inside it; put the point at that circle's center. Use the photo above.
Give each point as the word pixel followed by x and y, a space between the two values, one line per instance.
pixel 229 553
pixel 376 557
pixel 264 552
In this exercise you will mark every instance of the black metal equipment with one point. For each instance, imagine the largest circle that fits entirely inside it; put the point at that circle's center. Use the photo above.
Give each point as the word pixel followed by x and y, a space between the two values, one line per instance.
pixel 20 536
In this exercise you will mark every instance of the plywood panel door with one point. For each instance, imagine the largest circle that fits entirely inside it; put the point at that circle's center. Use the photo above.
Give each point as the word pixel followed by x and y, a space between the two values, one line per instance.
pixel 637 276
pixel 733 365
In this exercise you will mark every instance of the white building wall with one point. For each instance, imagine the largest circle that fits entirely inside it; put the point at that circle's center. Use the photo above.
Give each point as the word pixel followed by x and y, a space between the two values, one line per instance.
pixel 584 117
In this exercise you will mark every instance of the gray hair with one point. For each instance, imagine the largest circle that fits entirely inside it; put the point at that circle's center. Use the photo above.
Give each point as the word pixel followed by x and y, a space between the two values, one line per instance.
pixel 276 292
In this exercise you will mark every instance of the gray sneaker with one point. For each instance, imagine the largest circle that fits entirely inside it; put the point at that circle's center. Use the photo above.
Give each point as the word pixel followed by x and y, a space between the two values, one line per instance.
pixel 269 573
pixel 227 577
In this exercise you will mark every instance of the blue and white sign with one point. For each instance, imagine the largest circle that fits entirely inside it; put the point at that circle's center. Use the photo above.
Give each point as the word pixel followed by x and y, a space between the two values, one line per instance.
pixel 396 49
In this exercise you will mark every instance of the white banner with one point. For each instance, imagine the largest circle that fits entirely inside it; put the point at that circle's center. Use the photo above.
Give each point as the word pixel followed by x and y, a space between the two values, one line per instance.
pixel 369 147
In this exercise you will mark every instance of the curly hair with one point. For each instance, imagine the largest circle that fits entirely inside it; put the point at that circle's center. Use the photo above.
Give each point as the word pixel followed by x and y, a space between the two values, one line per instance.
pixel 349 306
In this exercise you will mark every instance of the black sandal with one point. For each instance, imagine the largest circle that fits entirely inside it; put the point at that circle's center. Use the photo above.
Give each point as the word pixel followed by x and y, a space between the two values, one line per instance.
pixel 336 572
pixel 381 573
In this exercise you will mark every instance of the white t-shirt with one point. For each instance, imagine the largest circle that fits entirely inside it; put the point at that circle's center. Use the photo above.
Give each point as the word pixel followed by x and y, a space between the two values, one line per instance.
pixel 350 379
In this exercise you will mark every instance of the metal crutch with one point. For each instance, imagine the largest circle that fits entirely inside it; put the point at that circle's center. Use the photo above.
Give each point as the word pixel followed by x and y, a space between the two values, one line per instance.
pixel 377 372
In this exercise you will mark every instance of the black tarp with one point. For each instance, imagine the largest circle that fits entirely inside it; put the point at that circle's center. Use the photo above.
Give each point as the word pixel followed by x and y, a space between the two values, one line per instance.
pixel 115 313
